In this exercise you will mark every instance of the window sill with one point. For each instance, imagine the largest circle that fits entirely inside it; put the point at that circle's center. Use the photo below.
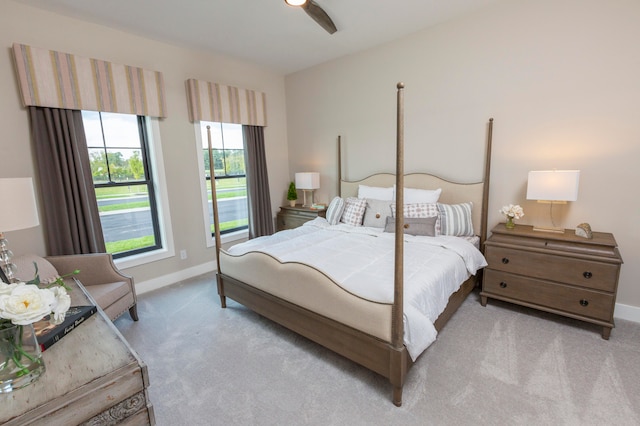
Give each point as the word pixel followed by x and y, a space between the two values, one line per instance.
pixel 229 238
pixel 143 258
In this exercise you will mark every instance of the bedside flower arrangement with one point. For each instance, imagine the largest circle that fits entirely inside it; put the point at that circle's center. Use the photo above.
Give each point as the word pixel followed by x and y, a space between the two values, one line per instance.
pixel 21 305
pixel 511 212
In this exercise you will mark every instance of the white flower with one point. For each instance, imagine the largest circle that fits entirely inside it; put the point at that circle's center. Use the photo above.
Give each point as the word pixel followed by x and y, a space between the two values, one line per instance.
pixel 62 305
pixel 26 304
pixel 512 211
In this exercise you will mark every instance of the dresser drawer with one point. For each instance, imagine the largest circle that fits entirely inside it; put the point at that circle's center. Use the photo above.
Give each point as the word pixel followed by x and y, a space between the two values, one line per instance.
pixel 585 273
pixel 579 301
pixel 286 221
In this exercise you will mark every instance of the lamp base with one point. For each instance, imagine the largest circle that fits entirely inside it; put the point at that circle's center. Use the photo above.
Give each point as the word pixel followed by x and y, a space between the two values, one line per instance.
pixel 549 229
pixel 308 202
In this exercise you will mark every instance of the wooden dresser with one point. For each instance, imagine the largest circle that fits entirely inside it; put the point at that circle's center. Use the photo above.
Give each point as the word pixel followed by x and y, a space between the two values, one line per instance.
pixel 554 272
pixel 292 217
pixel 93 377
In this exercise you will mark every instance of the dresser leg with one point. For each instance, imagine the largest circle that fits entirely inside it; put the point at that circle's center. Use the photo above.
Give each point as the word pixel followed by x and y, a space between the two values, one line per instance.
pixel 606 332
pixel 483 300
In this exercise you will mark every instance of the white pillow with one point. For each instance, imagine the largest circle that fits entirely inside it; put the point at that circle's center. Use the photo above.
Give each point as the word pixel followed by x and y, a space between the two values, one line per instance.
pixel 415 195
pixel 376 192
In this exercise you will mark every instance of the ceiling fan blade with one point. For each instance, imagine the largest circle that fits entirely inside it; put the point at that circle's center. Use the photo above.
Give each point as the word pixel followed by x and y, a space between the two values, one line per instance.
pixel 320 16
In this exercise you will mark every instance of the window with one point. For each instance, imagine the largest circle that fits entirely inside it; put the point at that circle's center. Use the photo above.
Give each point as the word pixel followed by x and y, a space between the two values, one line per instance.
pixel 122 177
pixel 231 182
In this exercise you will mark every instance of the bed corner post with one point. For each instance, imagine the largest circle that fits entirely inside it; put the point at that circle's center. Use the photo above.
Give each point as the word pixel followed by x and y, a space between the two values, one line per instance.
pixel 485 190
pixel 398 361
pixel 339 166
pixel 216 223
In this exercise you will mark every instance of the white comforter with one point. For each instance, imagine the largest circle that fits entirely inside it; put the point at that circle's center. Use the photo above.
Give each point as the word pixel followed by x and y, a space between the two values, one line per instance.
pixel 361 260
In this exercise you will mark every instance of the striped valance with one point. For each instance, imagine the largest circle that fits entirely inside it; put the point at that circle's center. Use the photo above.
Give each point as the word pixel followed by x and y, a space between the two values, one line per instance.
pixel 225 104
pixel 61 80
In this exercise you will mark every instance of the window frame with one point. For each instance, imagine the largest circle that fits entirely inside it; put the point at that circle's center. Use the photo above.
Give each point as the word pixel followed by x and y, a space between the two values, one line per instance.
pixel 233 236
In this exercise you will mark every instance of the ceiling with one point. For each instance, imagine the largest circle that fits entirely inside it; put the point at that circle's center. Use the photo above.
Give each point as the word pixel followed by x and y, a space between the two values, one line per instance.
pixel 265 32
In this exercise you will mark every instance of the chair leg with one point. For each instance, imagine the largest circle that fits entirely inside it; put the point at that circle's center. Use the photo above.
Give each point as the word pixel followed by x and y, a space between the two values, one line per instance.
pixel 133 311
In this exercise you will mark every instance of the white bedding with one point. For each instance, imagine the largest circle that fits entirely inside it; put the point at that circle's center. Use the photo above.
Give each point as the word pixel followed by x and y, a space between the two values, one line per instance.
pixel 361 260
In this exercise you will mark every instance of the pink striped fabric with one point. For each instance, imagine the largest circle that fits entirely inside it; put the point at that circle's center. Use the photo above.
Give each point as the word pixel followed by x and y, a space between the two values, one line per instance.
pixel 61 80
pixel 225 104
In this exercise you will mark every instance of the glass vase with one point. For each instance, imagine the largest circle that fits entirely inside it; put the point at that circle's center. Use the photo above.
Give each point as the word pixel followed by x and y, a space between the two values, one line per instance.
pixel 510 224
pixel 21 361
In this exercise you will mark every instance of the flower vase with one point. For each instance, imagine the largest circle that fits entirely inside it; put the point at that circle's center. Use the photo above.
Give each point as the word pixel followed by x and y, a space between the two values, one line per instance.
pixel 21 361
pixel 510 223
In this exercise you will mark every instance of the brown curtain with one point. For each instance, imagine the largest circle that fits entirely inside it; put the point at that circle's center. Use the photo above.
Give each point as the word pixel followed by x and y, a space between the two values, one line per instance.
pixel 69 208
pixel 260 217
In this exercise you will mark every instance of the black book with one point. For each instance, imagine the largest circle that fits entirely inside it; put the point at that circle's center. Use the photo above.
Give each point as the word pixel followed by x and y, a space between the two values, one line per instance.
pixel 48 334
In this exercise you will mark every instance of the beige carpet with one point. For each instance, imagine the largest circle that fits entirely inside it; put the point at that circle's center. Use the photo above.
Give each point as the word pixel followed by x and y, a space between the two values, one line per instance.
pixel 497 365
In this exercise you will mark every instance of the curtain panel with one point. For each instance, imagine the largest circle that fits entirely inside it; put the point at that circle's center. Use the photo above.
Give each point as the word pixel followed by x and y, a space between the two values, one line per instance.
pixel 60 80
pixel 225 104
pixel 72 222
pixel 258 198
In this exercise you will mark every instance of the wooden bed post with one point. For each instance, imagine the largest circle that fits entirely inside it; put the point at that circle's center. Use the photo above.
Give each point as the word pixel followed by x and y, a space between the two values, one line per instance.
pixel 339 166
pixel 397 326
pixel 216 224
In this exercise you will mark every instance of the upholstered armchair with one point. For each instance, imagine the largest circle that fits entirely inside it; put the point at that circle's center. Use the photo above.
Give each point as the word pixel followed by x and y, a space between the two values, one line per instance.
pixel 112 290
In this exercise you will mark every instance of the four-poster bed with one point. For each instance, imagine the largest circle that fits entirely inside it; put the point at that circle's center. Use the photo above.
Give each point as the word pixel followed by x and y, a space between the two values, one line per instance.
pixel 368 330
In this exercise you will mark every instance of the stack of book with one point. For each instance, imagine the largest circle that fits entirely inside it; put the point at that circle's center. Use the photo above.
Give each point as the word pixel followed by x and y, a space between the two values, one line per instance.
pixel 48 334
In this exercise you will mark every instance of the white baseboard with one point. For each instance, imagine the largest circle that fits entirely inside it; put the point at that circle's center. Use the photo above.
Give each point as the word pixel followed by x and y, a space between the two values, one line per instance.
pixel 166 280
pixel 627 312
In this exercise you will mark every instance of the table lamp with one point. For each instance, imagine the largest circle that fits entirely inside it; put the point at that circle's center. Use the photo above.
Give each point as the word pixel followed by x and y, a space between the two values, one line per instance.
pixel 307 182
pixel 553 187
pixel 19 211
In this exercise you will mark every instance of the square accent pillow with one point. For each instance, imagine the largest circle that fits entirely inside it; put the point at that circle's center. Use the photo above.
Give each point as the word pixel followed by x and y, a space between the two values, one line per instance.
pixel 376 212
pixel 456 219
pixel 334 211
pixel 425 226
pixel 353 211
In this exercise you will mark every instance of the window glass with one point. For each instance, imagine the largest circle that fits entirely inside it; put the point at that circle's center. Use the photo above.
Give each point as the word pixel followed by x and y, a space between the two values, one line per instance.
pixel 229 170
pixel 122 178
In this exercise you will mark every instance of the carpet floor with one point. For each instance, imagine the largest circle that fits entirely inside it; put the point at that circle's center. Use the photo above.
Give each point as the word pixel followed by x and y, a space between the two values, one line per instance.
pixel 493 365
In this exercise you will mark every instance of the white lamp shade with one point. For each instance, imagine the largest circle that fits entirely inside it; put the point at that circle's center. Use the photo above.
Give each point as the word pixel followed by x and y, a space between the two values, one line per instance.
pixel 307 180
pixel 553 185
pixel 19 209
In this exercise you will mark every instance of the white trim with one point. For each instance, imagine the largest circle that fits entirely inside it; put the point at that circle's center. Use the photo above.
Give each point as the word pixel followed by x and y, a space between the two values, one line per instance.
pixel 627 312
pixel 175 277
pixel 162 203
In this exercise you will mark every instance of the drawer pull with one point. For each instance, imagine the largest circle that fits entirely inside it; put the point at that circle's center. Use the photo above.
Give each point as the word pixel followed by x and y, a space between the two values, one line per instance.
pixel 505 260
pixel 587 274
pixel 584 302
pixel 503 284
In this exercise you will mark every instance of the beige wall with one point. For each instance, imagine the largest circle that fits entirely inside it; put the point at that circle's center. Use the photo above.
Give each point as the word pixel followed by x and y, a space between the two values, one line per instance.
pixel 560 77
pixel 34 27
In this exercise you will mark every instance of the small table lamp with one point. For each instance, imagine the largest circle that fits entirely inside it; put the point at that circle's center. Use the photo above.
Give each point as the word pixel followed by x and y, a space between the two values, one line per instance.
pixel 18 211
pixel 307 181
pixel 553 187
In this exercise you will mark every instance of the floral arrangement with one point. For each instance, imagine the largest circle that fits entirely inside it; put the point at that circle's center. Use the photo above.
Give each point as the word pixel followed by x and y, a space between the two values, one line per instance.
pixel 22 304
pixel 512 211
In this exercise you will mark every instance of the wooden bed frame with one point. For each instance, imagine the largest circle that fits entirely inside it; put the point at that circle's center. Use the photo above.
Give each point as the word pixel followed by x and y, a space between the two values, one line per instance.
pixel 387 358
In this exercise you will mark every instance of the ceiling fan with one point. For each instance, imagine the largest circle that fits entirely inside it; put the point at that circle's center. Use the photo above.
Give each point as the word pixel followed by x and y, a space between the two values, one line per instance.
pixel 316 12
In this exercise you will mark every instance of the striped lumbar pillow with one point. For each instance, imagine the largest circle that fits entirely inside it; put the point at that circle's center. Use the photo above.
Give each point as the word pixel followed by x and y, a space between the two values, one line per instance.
pixel 334 211
pixel 455 219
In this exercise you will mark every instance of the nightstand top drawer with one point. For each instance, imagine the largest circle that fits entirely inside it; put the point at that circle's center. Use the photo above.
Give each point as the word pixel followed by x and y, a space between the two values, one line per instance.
pixel 570 270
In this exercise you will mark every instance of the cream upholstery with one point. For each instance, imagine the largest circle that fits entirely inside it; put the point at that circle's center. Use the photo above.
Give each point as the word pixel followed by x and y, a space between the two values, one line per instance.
pixel 113 291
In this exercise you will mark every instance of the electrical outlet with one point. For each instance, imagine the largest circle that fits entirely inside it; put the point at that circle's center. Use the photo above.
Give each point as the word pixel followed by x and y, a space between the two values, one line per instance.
pixel 183 254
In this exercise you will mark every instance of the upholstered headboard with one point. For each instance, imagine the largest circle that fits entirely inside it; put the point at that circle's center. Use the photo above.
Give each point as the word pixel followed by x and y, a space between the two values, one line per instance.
pixel 452 192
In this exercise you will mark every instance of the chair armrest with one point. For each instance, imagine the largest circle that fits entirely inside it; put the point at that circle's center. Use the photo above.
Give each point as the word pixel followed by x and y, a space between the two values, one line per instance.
pixel 95 268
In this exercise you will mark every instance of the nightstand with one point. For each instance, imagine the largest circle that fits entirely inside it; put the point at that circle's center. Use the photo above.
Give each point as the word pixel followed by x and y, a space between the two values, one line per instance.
pixel 559 273
pixel 292 217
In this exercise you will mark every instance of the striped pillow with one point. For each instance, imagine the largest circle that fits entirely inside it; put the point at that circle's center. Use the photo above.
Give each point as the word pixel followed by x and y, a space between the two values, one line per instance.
pixel 334 211
pixel 455 219
pixel 353 211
